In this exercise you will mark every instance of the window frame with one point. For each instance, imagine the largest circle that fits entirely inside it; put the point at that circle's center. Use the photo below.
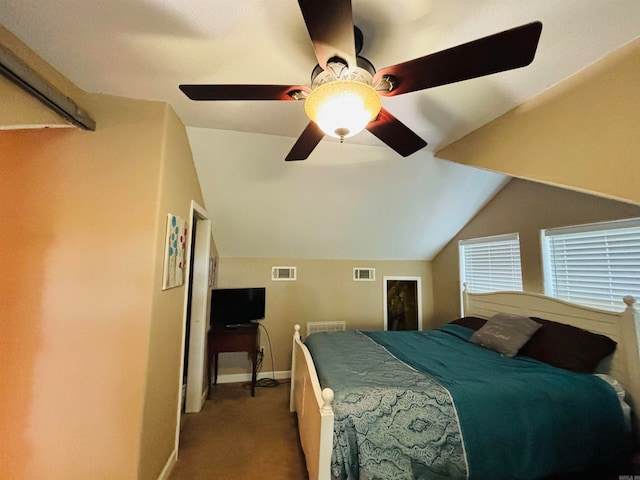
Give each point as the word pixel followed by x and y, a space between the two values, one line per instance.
pixel 494 240
pixel 614 303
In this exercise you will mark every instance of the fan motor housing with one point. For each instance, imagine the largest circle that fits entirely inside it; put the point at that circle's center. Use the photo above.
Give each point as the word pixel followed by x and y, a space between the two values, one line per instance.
pixel 337 69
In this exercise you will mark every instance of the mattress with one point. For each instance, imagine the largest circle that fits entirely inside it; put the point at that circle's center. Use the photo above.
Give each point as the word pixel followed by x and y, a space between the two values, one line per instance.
pixel 424 405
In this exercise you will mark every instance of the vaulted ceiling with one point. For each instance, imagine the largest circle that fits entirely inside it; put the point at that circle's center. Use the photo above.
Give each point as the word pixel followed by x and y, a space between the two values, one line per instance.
pixel 356 200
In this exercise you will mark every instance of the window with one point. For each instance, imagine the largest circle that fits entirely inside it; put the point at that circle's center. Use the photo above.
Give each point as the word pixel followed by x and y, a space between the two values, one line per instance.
pixel 594 265
pixel 491 264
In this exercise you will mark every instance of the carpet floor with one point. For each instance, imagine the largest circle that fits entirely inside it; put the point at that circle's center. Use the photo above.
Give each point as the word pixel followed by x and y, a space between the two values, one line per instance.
pixel 237 436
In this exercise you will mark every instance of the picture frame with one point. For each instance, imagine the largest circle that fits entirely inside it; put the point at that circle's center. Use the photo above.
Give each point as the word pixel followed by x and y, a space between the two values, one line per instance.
pixel 174 252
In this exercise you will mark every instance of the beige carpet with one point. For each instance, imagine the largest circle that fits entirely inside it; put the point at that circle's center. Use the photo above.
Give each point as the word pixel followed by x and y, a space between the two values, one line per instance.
pixel 237 436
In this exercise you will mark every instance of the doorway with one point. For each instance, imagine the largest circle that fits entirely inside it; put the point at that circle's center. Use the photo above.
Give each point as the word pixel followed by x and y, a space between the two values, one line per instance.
pixel 193 381
pixel 402 303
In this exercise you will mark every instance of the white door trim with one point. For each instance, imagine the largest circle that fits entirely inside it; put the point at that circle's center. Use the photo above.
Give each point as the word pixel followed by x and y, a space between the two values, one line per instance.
pixel 196 371
pixel 199 290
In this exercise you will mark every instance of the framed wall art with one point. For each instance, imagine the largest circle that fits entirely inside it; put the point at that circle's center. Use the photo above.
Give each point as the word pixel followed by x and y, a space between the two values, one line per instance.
pixel 174 252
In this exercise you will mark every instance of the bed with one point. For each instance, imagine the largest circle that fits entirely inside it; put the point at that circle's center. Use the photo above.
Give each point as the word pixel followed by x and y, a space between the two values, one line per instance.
pixel 444 430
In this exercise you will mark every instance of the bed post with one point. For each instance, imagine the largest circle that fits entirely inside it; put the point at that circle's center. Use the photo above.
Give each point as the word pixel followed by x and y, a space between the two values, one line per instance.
pixel 631 335
pixel 314 409
pixel 296 336
pixel 326 435
pixel 465 299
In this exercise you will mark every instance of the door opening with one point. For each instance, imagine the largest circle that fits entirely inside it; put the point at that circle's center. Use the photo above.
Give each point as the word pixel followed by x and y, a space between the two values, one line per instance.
pixel 193 385
pixel 187 328
pixel 402 303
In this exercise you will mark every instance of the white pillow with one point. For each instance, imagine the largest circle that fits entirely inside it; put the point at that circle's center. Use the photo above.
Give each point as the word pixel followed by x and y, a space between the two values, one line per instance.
pixel 505 334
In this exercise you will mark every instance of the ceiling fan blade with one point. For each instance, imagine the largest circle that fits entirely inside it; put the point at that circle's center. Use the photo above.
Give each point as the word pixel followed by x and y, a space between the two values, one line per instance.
pixel 395 134
pixel 330 26
pixel 305 144
pixel 242 92
pixel 503 51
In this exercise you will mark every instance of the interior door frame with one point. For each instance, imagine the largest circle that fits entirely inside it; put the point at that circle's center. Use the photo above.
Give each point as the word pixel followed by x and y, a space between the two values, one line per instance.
pixel 196 312
pixel 418 281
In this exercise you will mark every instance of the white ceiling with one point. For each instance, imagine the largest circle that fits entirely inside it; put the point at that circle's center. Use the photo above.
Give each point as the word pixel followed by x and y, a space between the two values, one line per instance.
pixel 357 200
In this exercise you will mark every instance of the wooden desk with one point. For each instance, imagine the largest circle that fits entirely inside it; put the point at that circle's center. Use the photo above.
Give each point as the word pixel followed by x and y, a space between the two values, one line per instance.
pixel 238 339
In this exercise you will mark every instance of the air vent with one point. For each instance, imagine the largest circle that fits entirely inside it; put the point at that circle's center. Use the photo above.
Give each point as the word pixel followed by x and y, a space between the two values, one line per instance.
pixel 313 327
pixel 283 273
pixel 364 274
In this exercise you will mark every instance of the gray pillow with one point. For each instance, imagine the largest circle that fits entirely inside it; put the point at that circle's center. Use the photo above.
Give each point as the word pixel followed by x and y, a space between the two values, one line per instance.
pixel 505 334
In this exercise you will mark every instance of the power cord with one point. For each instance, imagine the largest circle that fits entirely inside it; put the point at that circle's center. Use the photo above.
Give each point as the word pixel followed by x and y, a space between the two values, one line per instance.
pixel 264 382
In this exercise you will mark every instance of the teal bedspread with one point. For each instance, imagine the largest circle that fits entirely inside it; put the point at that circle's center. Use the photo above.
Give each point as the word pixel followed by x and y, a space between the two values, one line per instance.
pixel 431 405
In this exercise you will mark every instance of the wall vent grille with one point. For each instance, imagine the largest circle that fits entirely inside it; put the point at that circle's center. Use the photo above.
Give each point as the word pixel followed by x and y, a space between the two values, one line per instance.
pixel 283 273
pixel 313 327
pixel 361 274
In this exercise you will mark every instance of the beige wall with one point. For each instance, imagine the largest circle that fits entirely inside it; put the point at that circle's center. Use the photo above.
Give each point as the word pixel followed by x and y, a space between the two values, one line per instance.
pixel 176 186
pixel 26 111
pixel 90 344
pixel 324 291
pixel 31 113
pixel 582 134
pixel 526 208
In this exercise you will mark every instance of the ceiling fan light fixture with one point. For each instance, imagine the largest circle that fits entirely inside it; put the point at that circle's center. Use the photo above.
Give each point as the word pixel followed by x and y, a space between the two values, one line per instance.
pixel 343 108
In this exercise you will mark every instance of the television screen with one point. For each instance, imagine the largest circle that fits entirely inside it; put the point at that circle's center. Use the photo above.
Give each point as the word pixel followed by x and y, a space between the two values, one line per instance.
pixel 237 306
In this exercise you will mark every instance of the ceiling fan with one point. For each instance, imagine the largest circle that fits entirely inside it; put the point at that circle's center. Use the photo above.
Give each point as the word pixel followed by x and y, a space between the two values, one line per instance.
pixel 344 97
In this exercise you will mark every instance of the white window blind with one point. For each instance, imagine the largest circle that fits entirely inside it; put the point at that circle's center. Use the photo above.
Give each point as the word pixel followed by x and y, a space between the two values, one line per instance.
pixel 593 265
pixel 491 264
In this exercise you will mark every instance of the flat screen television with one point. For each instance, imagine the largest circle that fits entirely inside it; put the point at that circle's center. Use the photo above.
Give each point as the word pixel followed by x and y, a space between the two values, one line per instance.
pixel 237 306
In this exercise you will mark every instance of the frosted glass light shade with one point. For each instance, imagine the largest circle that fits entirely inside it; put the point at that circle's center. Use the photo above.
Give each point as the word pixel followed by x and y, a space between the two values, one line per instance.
pixel 343 108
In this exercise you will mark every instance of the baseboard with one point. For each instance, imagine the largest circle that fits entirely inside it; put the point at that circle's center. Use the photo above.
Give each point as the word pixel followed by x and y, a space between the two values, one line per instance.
pixel 246 377
pixel 168 468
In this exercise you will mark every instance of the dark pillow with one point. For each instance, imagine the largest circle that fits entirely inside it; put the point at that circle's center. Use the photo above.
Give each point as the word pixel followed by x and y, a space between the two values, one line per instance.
pixel 505 334
pixel 474 323
pixel 568 347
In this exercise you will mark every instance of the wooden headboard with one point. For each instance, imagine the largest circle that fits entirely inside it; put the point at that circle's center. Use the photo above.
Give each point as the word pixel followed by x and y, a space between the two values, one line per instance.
pixel 623 327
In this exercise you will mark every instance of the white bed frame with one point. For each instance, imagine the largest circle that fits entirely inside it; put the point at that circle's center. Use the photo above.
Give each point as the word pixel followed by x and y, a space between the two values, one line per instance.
pixel 314 405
